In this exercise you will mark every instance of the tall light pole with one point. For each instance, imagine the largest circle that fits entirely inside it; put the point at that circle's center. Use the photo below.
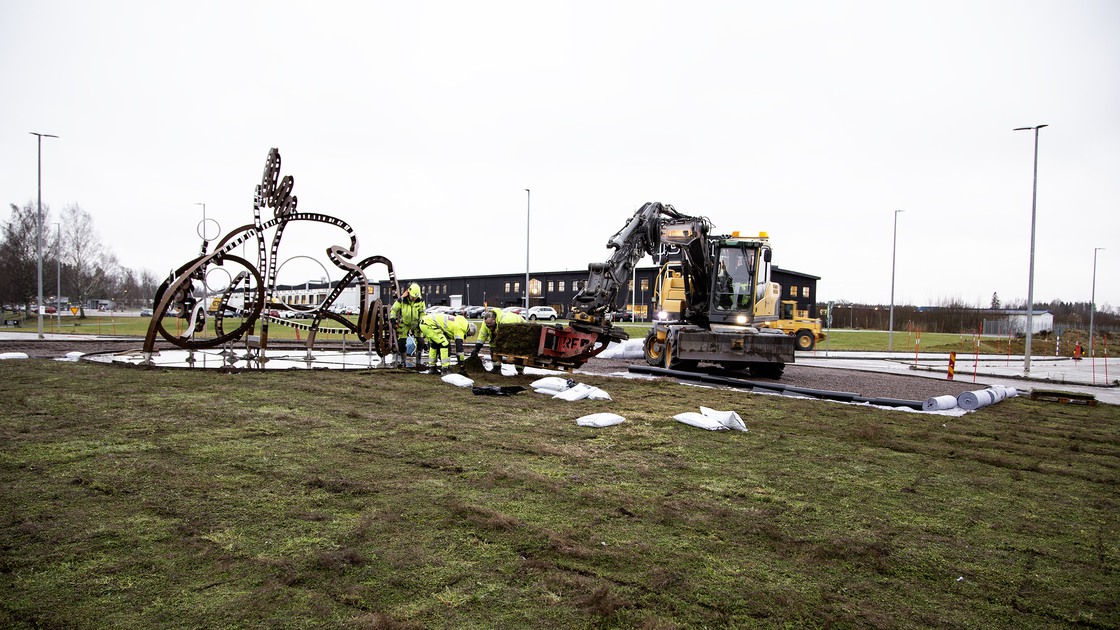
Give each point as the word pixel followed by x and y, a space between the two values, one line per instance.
pixel 39 226
pixel 58 279
pixel 1030 273
pixel 528 207
pixel 894 248
pixel 202 230
pixel 1093 300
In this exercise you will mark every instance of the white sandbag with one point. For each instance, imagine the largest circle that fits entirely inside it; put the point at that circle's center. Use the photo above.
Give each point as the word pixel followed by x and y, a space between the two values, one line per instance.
pixel 546 392
pixel 629 349
pixel 610 351
pixel 939 403
pixel 600 420
pixel 700 420
pixel 598 394
pixel 458 380
pixel 554 383
pixel 729 419
pixel 71 357
pixel 14 355
pixel 974 399
pixel 579 392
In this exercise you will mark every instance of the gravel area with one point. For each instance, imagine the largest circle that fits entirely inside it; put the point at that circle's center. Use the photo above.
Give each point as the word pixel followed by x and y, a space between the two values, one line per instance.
pixel 870 384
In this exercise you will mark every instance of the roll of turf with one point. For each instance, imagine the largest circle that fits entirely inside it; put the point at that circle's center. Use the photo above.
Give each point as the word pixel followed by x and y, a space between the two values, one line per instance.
pixel 939 403
pixel 974 399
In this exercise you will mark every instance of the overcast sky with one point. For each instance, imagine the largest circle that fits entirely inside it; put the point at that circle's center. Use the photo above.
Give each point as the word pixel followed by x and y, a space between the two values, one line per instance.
pixel 422 124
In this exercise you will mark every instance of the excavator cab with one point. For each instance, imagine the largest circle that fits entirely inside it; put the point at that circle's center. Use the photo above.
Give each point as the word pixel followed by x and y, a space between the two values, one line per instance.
pixel 739 280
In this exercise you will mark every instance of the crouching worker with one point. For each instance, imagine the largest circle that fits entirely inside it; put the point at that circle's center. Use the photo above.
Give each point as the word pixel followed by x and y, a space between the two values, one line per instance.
pixel 491 319
pixel 439 330
pixel 405 315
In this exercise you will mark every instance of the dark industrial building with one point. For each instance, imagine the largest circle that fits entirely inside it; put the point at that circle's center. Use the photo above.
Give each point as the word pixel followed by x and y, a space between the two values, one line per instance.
pixel 557 288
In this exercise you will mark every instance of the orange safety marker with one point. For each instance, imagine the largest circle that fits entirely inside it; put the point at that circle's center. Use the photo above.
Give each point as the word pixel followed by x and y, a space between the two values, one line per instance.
pixel 952 364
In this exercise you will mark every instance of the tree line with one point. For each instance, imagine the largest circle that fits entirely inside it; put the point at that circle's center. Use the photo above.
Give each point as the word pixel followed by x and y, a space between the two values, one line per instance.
pixel 953 316
pixel 71 249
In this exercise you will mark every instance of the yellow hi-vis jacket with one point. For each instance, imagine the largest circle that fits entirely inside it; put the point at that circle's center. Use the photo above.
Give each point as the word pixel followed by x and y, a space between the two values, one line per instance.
pixel 500 317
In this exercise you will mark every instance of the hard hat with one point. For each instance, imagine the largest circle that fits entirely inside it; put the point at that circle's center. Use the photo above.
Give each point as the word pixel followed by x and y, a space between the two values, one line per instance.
pixel 414 290
pixel 471 330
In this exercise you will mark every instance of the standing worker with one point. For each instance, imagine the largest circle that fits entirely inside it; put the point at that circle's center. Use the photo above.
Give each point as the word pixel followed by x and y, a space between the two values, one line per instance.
pixel 439 329
pixel 405 315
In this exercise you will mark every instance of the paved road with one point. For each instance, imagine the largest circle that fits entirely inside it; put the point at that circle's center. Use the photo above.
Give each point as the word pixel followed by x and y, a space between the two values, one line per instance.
pixel 1046 372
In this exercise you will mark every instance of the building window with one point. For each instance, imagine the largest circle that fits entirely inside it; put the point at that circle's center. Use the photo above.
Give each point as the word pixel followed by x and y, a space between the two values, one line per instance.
pixel 444 290
pixel 562 285
pixel 534 287
pixel 793 292
pixel 804 292
pixel 645 284
pixel 507 287
pixel 517 287
pixel 550 289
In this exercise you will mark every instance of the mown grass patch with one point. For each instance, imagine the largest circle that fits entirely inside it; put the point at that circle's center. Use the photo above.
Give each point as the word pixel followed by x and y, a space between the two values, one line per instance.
pixel 180 498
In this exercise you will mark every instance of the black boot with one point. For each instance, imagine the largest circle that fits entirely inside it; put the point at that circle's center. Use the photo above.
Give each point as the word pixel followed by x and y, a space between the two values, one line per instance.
pixel 402 348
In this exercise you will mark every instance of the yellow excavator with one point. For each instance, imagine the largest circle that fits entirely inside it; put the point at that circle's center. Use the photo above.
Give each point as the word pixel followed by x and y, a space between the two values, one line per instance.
pixel 711 293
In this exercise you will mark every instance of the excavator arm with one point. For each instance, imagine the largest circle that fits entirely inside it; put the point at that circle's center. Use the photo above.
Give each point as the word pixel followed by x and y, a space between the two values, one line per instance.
pixel 654 229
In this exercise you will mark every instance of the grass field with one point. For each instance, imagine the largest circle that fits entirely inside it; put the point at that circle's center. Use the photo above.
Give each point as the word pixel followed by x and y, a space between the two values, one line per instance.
pixel 147 498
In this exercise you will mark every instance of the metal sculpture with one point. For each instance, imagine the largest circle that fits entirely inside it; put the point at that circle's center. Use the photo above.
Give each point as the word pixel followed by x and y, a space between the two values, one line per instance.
pixel 175 297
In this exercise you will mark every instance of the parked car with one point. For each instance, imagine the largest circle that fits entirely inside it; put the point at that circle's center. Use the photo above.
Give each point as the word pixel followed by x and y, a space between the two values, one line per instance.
pixel 514 309
pixel 475 312
pixel 145 312
pixel 621 316
pixel 541 312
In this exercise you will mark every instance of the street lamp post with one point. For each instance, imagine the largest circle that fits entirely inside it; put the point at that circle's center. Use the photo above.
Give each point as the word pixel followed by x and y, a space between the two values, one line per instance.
pixel 1030 273
pixel 894 248
pixel 58 279
pixel 1093 300
pixel 528 206
pixel 39 227
pixel 203 224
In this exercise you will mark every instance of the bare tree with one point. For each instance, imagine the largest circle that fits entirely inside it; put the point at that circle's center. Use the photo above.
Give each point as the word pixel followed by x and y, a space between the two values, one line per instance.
pixel 148 285
pixel 84 254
